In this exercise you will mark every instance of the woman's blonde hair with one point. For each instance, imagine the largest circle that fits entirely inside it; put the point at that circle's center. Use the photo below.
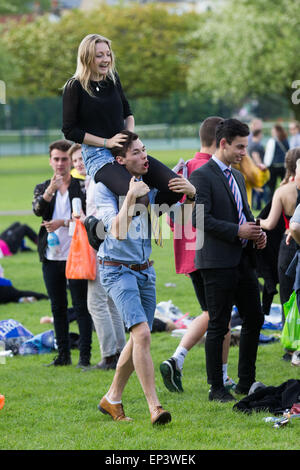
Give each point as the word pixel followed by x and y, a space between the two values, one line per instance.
pixel 73 149
pixel 86 57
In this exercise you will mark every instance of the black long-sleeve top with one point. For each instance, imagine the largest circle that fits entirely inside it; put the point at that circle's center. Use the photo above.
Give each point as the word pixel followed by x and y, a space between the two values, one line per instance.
pixel 101 115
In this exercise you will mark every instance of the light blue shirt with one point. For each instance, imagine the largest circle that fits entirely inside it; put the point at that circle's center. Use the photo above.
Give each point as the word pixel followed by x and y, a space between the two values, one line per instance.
pixel 136 248
pixel 295 141
pixel 296 215
pixel 224 167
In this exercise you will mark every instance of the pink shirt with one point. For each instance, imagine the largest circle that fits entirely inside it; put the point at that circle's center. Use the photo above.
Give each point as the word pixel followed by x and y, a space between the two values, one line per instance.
pixel 184 236
pixel 5 248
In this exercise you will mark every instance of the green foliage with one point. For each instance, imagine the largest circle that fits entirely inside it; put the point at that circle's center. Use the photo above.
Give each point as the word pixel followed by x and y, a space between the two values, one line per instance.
pixel 20 6
pixel 149 42
pixel 177 108
pixel 249 49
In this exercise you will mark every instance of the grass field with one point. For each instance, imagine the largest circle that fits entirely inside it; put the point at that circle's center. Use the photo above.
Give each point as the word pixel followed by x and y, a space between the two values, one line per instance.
pixel 56 409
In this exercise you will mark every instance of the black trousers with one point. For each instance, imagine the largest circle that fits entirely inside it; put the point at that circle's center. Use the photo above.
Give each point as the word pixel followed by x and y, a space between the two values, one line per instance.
pixel 198 285
pixel 14 235
pixel 223 289
pixel 11 294
pixel 56 285
pixel 286 283
pixel 117 179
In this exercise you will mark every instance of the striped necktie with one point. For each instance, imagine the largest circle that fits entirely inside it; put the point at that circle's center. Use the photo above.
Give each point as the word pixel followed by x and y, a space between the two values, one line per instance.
pixel 155 226
pixel 238 201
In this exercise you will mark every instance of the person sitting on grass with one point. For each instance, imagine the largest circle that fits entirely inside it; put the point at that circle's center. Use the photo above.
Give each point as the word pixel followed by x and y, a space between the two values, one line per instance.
pixel 12 239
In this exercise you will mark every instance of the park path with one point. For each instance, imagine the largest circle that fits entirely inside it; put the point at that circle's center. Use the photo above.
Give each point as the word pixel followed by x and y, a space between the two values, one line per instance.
pixel 25 212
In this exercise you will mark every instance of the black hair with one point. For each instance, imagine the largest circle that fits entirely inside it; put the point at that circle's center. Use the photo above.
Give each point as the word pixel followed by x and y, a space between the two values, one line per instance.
pixel 121 151
pixel 63 145
pixel 229 129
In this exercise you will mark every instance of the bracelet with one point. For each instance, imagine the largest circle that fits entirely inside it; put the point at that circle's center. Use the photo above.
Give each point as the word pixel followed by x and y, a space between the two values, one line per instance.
pixel 104 143
pixel 50 194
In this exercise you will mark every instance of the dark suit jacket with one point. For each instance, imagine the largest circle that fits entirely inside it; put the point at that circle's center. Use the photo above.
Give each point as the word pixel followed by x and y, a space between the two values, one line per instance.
pixel 222 247
pixel 45 209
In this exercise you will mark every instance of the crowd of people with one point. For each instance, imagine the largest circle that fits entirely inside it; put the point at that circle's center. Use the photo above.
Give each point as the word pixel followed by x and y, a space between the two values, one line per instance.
pixel 125 191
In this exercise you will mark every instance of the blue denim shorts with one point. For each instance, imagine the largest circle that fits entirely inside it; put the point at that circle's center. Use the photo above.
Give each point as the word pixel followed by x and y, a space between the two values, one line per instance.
pixel 133 292
pixel 95 158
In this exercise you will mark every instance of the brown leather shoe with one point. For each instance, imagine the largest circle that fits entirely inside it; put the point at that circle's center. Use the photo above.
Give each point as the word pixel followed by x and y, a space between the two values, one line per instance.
pixel 115 411
pixel 160 416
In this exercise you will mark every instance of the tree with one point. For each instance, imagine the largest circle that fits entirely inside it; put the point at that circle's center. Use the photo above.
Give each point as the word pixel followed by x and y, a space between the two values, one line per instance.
pixel 152 53
pixel 21 6
pixel 250 48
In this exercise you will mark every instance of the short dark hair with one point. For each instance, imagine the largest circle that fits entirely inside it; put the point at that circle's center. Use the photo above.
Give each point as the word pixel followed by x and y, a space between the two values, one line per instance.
pixel 229 129
pixel 207 132
pixel 121 151
pixel 62 145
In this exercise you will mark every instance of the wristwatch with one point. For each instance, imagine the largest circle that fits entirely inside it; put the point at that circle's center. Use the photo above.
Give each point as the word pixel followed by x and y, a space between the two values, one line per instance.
pixel 50 193
pixel 66 222
pixel 191 198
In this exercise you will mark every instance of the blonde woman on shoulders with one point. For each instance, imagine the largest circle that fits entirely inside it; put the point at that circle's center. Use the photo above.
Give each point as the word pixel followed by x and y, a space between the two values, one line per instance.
pixel 96 111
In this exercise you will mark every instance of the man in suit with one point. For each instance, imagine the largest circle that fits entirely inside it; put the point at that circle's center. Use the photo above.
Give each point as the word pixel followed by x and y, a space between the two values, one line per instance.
pixel 227 259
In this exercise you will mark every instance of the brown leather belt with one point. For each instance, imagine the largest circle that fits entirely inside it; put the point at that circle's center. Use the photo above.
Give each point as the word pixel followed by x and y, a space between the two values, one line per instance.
pixel 134 267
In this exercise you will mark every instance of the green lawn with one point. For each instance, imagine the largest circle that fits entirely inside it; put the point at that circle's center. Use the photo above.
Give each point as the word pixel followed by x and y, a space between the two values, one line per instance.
pixel 51 409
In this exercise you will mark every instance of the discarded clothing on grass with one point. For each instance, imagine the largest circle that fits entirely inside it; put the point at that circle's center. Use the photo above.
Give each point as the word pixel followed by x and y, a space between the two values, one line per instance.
pixel 21 341
pixel 39 344
pixel 273 399
pixel 272 326
pixel 264 339
pixel 273 321
pixel 166 310
pixel 13 333
pixel 5 282
pixel 159 326
pixel 169 317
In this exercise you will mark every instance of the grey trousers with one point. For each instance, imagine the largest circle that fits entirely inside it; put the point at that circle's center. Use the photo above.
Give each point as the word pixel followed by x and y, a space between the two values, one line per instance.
pixel 107 320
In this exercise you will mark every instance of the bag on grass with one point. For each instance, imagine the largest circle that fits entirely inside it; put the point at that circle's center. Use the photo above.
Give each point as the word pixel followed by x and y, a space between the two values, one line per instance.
pixel 81 262
pixel 290 337
pixel 14 334
pixel 39 344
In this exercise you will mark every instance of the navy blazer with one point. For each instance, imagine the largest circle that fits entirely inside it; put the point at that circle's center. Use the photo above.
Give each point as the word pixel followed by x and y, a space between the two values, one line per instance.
pixel 222 247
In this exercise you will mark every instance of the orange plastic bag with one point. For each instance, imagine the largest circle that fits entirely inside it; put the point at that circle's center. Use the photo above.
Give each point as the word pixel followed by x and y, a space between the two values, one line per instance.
pixel 81 262
pixel 2 401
